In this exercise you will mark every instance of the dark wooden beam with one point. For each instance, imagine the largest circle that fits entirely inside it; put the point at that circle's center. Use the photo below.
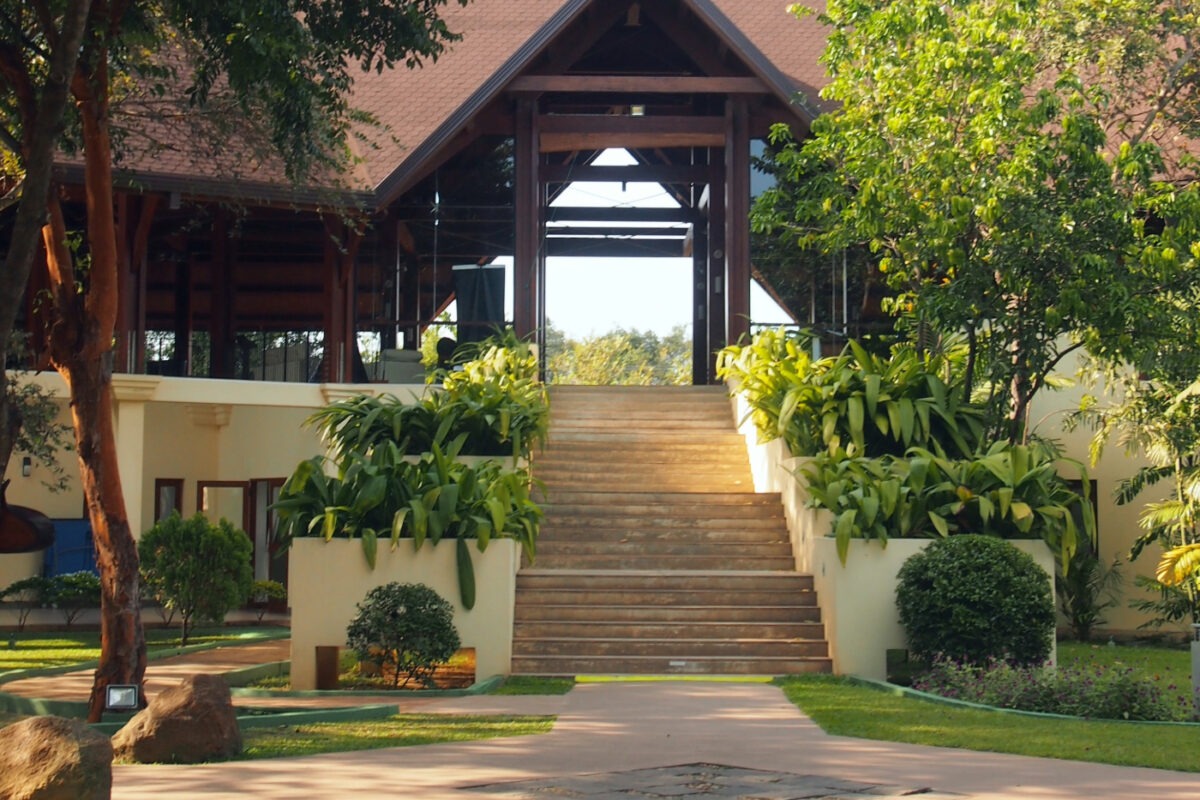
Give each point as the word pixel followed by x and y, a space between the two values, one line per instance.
pixel 638 84
pixel 638 173
pixel 715 294
pixel 613 231
pixel 221 323
pixel 571 132
pixel 737 211
pixel 572 142
pixel 587 214
pixel 613 123
pixel 682 28
pixel 600 247
pixel 699 254
pixel 528 210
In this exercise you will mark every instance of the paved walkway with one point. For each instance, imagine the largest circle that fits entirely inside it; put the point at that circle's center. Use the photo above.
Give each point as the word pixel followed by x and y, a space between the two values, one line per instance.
pixel 624 741
pixel 160 674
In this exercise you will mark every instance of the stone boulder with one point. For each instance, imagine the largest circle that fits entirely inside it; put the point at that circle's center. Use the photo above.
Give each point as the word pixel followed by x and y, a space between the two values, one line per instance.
pixel 186 724
pixel 51 758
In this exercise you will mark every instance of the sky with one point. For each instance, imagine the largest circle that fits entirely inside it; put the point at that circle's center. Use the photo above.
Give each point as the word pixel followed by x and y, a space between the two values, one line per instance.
pixel 590 296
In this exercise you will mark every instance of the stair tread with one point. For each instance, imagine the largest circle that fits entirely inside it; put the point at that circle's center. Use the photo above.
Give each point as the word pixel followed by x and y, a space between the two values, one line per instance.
pixel 637 477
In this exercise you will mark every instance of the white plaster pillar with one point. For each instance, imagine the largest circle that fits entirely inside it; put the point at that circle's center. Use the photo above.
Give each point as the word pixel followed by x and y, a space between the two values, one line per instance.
pixel 130 395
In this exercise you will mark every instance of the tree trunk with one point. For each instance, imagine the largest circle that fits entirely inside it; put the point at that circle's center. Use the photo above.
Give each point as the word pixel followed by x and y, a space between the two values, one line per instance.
pixel 122 639
pixel 81 336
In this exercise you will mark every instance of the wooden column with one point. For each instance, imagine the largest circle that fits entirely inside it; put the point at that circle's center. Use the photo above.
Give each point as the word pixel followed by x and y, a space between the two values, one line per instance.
pixel 527 213
pixel 408 304
pixel 341 251
pixel 183 314
pixel 221 321
pixel 716 265
pixel 700 349
pixel 126 281
pixel 737 220
pixel 140 260
pixel 134 217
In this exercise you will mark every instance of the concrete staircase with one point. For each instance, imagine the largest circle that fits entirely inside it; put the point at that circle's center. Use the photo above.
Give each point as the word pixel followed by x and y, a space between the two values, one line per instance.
pixel 656 556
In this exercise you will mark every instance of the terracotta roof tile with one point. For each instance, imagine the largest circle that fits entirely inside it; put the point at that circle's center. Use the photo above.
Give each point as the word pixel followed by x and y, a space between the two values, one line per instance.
pixel 414 104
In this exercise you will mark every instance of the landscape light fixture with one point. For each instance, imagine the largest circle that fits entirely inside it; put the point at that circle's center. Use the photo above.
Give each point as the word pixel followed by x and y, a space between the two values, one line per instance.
pixel 121 697
pixel 26 467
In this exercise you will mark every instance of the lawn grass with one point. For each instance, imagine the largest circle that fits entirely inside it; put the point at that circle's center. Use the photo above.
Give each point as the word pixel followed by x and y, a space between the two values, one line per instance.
pixel 402 730
pixel 842 708
pixel 532 684
pixel 1166 665
pixel 42 650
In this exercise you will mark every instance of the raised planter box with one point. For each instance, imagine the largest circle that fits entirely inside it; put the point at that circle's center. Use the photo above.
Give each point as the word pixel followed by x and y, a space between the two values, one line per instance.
pixel 858 599
pixel 327 580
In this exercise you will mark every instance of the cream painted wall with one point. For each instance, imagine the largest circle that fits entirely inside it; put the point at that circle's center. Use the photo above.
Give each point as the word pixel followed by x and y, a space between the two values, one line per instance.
pixel 191 429
pixel 1117 525
pixel 858 599
pixel 15 566
pixel 22 491
pixel 263 442
pixel 179 444
pixel 328 580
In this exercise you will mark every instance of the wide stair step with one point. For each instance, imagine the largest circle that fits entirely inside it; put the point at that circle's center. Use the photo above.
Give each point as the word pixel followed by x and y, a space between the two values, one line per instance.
pixel 656 555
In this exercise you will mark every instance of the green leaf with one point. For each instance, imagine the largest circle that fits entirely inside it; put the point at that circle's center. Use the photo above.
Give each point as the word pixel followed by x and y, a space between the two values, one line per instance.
pixel 939 523
pixel 854 416
pixel 370 545
pixel 420 518
pixel 871 389
pixel 466 574
pixel 844 530
pixel 398 525
pixel 1004 496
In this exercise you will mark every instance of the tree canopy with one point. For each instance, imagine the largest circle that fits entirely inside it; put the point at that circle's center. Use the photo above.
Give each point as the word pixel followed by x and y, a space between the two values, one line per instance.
pixel 73 75
pixel 620 358
pixel 972 156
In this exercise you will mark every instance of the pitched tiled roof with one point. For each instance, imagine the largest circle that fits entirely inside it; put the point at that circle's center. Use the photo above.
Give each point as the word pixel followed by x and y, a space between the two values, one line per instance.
pixel 422 106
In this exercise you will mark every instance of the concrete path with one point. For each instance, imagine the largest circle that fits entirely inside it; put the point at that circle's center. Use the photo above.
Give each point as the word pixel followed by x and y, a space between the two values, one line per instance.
pixel 620 727
pixel 160 674
pixel 615 741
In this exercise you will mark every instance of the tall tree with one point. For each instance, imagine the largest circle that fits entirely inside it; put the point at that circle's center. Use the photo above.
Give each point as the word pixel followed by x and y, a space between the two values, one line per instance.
pixel 971 158
pixel 38 52
pixel 285 66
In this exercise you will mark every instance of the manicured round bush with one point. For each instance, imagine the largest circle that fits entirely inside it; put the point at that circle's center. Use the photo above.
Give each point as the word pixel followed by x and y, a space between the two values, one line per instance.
pixel 976 598
pixel 406 628
pixel 200 569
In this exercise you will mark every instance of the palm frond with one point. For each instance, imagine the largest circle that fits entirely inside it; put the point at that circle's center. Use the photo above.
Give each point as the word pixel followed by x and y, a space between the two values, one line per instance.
pixel 1179 565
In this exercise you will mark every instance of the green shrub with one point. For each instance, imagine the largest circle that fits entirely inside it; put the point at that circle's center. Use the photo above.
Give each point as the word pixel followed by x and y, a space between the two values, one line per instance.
pixel 975 598
pixel 73 592
pixel 1086 588
pixel 1010 491
pixel 495 400
pixel 857 404
pixel 28 594
pixel 196 568
pixel 406 627
pixel 1096 692
pixel 435 497
pixel 263 592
